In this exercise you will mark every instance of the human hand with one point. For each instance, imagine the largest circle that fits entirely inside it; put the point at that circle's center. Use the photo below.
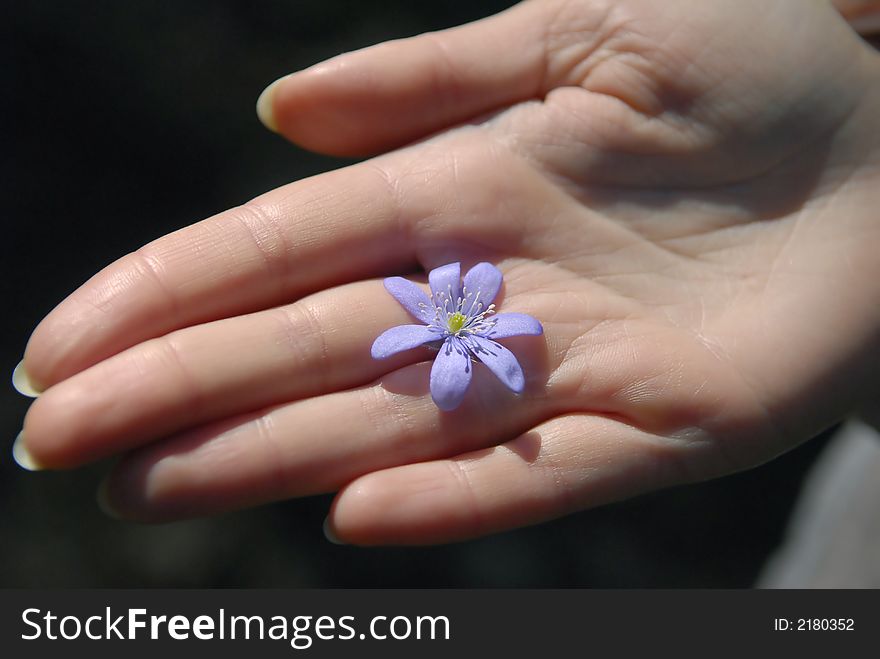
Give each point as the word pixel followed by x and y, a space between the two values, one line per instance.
pixel 862 15
pixel 681 201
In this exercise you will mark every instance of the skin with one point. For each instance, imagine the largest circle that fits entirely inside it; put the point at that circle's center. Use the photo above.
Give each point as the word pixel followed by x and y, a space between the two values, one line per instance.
pixel 683 193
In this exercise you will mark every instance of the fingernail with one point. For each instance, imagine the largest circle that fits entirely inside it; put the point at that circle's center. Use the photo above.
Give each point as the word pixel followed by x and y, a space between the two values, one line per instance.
pixel 328 533
pixel 265 106
pixel 103 497
pixel 22 382
pixel 22 456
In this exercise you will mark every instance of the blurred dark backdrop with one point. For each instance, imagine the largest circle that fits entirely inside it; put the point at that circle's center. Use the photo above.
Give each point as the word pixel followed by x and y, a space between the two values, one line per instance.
pixel 126 120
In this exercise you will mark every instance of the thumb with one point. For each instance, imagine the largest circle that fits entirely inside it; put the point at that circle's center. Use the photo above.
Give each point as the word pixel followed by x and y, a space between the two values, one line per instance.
pixel 390 94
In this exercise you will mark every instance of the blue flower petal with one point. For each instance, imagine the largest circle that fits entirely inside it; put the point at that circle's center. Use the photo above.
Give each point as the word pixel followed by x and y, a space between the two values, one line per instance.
pixel 500 361
pixel 400 338
pixel 513 324
pixel 411 297
pixel 450 375
pixel 444 281
pixel 484 278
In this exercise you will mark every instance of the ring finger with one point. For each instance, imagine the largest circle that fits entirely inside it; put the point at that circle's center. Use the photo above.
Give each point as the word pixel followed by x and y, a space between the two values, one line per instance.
pixel 315 445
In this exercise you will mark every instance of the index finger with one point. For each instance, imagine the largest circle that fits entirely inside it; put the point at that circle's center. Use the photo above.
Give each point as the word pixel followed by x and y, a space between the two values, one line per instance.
pixel 326 230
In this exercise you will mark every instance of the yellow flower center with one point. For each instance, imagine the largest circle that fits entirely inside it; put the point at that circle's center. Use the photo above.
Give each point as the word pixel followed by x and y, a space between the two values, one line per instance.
pixel 456 322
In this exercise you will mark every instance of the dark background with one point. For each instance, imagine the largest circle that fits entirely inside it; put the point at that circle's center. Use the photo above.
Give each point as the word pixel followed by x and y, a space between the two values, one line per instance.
pixel 126 120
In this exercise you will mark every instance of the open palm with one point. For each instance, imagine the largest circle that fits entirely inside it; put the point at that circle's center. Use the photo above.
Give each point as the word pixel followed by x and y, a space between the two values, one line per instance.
pixel 681 192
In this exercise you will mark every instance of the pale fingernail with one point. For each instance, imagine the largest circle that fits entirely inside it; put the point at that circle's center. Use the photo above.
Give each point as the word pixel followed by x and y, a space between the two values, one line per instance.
pixel 22 456
pixel 265 106
pixel 103 498
pixel 328 533
pixel 22 382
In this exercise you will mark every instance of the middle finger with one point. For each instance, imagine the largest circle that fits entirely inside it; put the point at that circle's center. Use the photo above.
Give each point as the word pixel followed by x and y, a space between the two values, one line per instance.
pixel 194 375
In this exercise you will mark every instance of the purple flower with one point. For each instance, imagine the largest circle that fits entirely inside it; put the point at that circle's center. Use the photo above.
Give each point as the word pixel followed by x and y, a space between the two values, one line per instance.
pixel 460 319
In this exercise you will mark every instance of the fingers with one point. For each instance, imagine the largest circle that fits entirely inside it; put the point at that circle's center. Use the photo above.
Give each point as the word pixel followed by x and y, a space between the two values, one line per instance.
pixel 311 446
pixel 561 466
pixel 387 95
pixel 327 230
pixel 396 92
pixel 319 344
